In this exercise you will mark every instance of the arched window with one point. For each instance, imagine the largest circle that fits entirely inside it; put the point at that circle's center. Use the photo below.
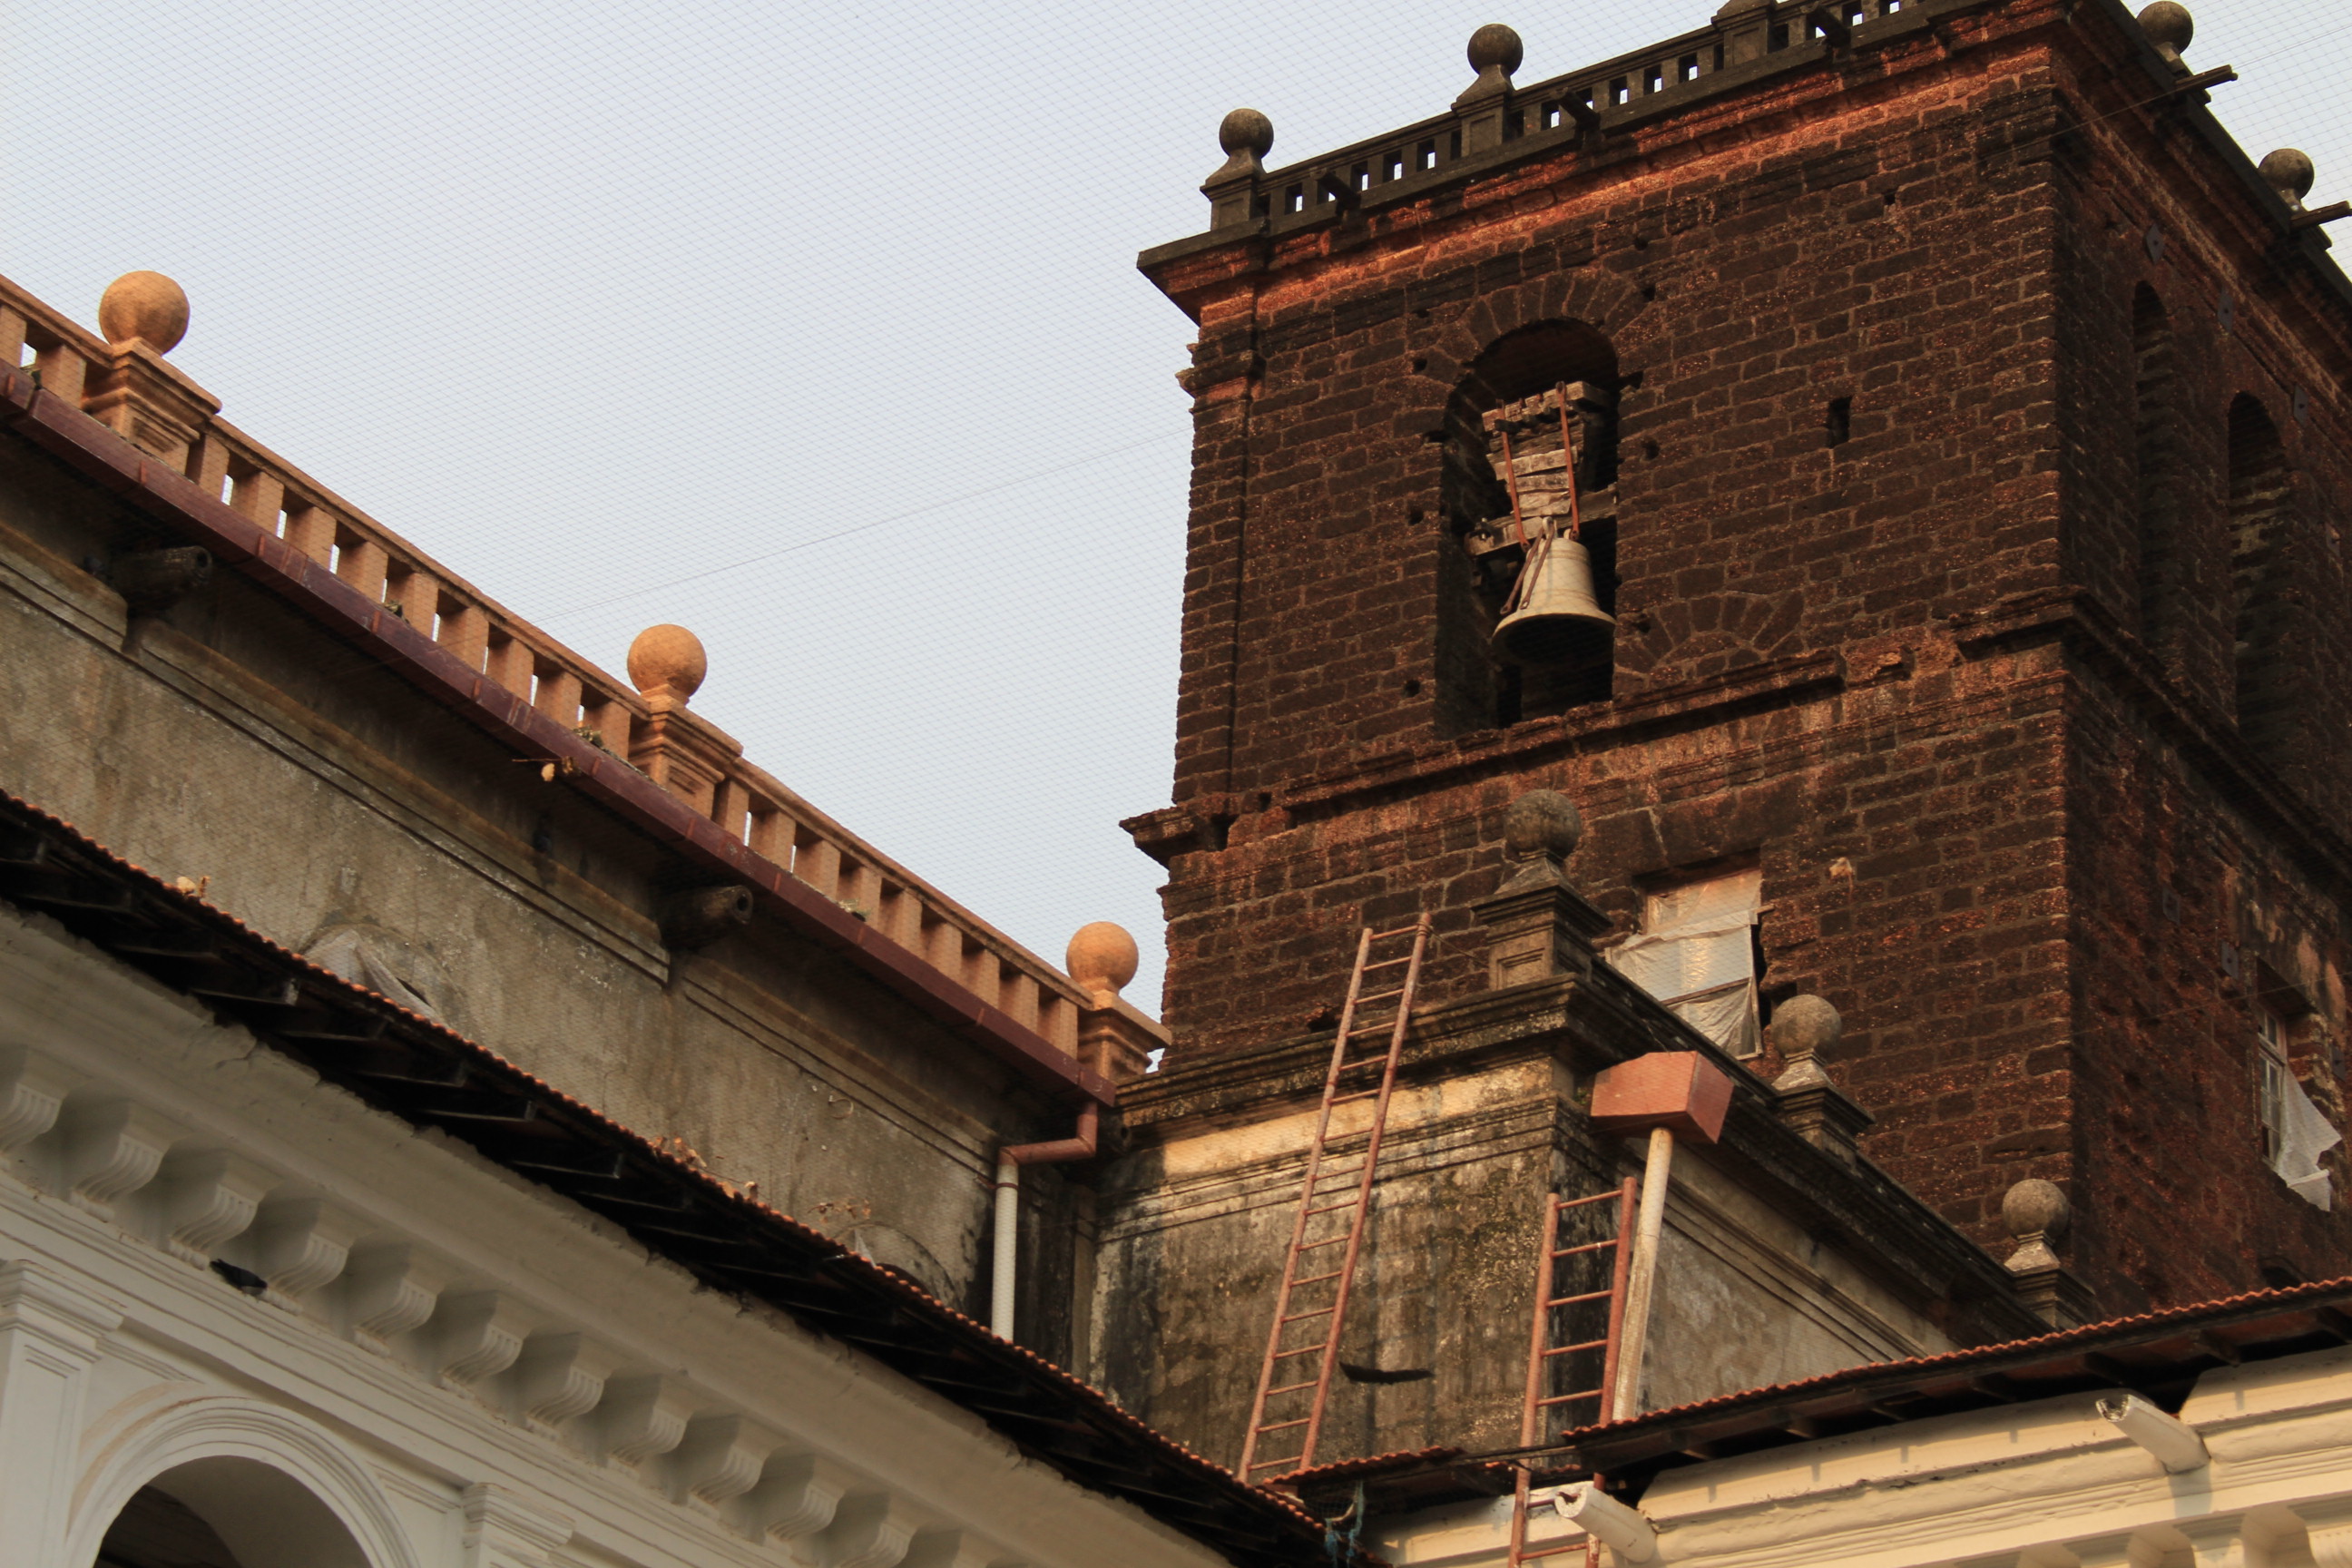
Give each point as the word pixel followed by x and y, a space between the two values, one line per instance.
pixel 2258 578
pixel 156 1529
pixel 227 1512
pixel 2157 445
pixel 1536 389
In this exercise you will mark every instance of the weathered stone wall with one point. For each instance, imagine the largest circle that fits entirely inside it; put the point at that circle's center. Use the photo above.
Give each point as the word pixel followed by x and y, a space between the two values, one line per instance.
pixel 237 745
pixel 1900 672
pixel 1198 1215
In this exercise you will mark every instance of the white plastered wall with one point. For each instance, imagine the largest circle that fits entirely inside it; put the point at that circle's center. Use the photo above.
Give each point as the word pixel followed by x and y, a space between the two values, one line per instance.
pixel 465 1371
pixel 2047 1484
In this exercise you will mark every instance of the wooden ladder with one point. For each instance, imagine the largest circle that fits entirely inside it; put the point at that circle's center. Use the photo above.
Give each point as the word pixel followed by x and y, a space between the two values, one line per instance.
pixel 1560 1319
pixel 1332 1204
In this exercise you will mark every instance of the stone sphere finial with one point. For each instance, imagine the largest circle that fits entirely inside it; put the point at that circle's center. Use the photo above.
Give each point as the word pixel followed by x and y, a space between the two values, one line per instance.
pixel 147 306
pixel 1496 47
pixel 2033 1208
pixel 1102 958
pixel 1245 131
pixel 2168 27
pixel 669 660
pixel 2288 172
pixel 1806 1028
pixel 1542 822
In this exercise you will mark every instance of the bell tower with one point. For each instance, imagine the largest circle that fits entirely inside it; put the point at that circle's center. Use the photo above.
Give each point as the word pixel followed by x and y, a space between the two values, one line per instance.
pixel 1884 462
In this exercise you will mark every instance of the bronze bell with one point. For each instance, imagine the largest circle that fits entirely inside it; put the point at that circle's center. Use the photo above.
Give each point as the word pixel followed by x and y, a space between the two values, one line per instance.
pixel 1557 616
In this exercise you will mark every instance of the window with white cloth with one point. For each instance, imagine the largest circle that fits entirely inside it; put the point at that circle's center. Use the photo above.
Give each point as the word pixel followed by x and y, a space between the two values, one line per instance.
pixel 1697 953
pixel 2295 1132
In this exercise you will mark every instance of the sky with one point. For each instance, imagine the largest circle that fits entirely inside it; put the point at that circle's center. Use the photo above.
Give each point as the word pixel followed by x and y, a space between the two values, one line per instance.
pixel 815 330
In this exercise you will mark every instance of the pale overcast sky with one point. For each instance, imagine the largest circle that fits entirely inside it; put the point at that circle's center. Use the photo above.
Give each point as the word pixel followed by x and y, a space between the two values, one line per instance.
pixel 628 311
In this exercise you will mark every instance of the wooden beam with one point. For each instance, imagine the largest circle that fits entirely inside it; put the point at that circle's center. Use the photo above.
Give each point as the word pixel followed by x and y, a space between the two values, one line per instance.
pixel 2202 80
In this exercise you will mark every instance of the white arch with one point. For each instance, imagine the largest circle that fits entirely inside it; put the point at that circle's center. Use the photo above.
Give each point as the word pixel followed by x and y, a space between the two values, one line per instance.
pixel 223 1427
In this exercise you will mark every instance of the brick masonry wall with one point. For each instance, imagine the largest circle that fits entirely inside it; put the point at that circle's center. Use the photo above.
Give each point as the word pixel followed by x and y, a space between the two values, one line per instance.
pixel 1812 669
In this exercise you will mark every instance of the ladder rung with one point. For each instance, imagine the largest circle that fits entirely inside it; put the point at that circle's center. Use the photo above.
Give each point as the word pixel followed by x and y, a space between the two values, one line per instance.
pixel 1588 1246
pixel 1568 1398
pixel 1302 1350
pixel 1316 1278
pixel 1287 1388
pixel 1571 1301
pixel 1318 1312
pixel 1580 1203
pixel 1378 995
pixel 1356 1094
pixel 1326 1241
pixel 1580 1345
pixel 1400 930
pixel 1387 963
pixel 1279 1426
pixel 1578 1545
pixel 1333 1208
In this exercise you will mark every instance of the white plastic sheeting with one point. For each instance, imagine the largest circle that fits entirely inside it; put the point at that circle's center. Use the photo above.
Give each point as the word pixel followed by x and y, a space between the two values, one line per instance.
pixel 2305 1134
pixel 1697 953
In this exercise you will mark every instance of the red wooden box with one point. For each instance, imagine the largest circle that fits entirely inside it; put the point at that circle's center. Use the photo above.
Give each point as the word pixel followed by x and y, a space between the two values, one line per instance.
pixel 1679 1090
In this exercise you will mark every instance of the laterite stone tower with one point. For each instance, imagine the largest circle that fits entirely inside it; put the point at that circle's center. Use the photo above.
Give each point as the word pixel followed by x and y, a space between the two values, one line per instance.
pixel 1958 421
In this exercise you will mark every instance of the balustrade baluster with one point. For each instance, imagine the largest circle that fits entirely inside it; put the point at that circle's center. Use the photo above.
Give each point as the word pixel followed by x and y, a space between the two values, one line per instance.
pixel 208 465
pixel 360 562
pixel 816 862
pixel 1020 991
pixel 259 496
pixel 1057 1020
pixel 509 662
pixel 769 832
pixel 980 974
pixel 64 371
pixel 556 692
pixel 414 591
pixel 729 806
pixel 610 718
pixel 311 529
pixel 463 630
pixel 943 943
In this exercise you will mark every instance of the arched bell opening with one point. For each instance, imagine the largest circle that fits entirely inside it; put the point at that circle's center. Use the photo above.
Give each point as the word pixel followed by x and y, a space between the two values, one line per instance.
pixel 228 1513
pixel 1525 602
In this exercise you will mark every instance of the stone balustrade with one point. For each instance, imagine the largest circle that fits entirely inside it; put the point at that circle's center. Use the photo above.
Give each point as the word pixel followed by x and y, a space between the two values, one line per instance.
pixel 121 379
pixel 1494 111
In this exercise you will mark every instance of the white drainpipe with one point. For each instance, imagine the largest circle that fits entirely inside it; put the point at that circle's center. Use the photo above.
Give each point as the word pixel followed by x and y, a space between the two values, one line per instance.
pixel 1009 1160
